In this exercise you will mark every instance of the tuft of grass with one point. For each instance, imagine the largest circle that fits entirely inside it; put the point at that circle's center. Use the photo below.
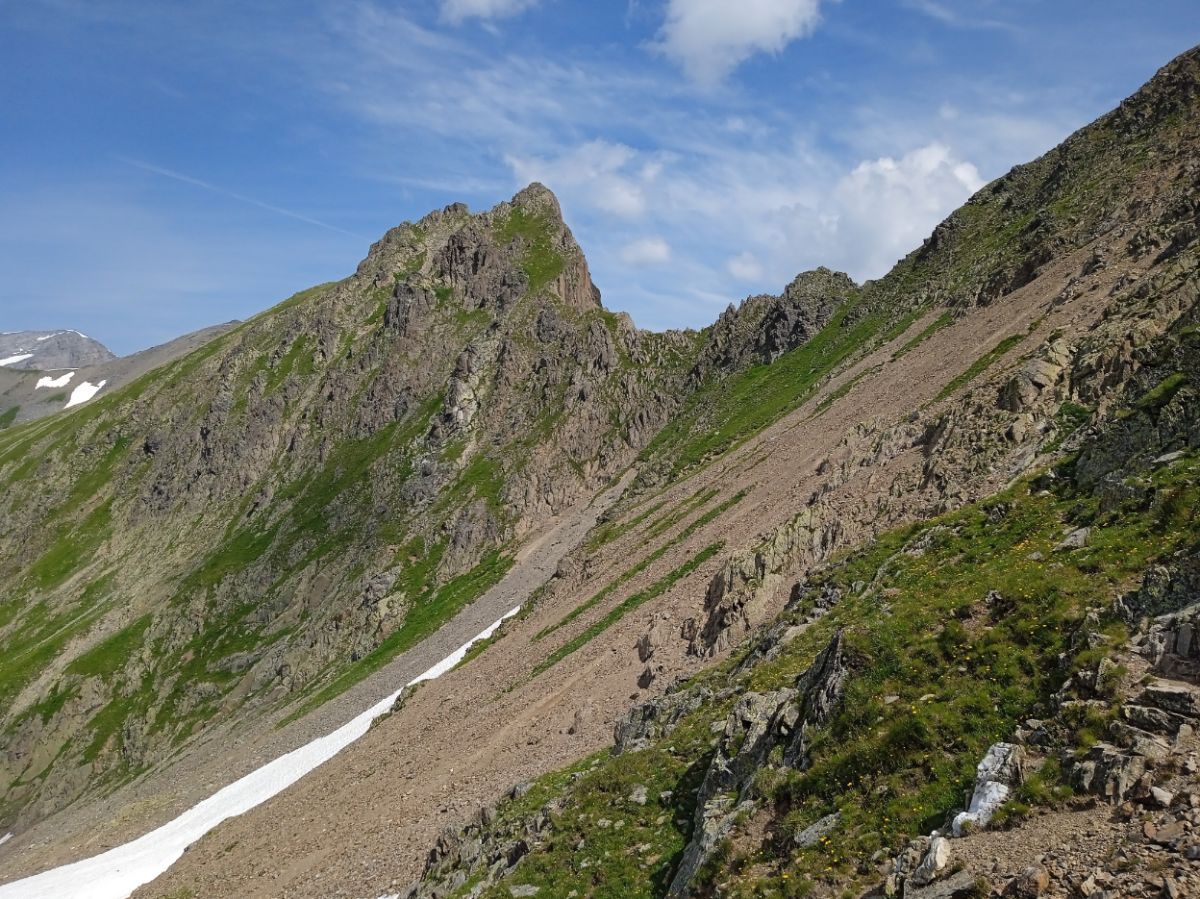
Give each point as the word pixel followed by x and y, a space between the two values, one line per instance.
pixel 980 365
pixel 1161 394
pixel 541 261
pixel 111 655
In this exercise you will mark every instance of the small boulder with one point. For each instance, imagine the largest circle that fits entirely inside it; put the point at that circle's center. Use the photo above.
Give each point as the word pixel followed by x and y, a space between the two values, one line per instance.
pixel 1029 884
pixel 1077 539
pixel 933 863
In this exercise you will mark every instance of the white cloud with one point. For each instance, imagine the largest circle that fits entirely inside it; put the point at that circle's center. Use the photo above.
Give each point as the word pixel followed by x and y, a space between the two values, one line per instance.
pixel 745 267
pixel 710 38
pixel 457 11
pixel 892 204
pixel 599 173
pixel 647 251
pixel 745 194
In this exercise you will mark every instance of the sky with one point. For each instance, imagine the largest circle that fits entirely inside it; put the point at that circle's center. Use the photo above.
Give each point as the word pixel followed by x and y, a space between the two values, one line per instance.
pixel 168 165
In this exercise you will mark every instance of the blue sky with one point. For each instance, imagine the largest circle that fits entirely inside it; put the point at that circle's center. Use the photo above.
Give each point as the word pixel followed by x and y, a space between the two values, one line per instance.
pixel 168 165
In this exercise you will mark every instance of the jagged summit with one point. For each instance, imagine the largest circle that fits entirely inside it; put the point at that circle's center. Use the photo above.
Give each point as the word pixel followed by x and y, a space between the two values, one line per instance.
pixel 537 197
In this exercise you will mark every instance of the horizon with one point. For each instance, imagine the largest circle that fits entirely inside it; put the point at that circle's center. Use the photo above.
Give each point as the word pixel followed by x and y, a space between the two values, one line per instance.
pixel 175 168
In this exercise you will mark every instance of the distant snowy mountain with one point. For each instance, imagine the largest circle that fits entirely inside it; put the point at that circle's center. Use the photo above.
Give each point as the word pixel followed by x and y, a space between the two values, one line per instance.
pixel 46 350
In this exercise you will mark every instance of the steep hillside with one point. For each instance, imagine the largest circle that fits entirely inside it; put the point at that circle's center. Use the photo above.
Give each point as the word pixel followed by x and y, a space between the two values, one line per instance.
pixel 1051 316
pixel 919 498
pixel 36 390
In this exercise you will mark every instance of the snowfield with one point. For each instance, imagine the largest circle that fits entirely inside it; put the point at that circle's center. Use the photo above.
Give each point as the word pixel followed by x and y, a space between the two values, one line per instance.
pixel 121 870
pixel 84 392
pixel 13 360
pixel 60 381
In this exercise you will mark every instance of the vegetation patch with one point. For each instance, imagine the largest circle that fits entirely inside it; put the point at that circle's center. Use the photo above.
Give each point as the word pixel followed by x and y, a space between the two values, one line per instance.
pixel 623 608
pixel 723 414
pixel 945 320
pixel 609 530
pixel 630 573
pixel 541 261
pixel 110 656
pixel 425 615
pixel 1163 393
pixel 980 365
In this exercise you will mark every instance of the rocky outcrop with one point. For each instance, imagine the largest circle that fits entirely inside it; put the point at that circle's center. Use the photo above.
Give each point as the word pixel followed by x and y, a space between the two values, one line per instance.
pixel 765 327
pixel 1002 769
pixel 758 723
pixel 656 718
pixel 483 850
pixel 738 595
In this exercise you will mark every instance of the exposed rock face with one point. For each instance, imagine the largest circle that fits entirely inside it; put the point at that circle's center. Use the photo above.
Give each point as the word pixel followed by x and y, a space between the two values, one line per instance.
pixel 737 595
pixel 658 717
pixel 758 723
pixel 1002 769
pixel 764 327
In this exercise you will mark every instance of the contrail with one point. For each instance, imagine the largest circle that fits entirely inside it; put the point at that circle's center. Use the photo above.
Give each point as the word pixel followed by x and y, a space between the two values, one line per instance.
pixel 196 182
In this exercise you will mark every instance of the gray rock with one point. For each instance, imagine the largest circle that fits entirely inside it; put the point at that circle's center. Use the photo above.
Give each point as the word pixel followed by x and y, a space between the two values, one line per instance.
pixel 1077 539
pixel 812 834
pixel 933 863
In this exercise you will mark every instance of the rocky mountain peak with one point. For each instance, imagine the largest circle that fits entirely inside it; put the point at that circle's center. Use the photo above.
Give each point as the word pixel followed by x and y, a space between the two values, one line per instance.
pixel 764 327
pixel 537 197
pixel 43 350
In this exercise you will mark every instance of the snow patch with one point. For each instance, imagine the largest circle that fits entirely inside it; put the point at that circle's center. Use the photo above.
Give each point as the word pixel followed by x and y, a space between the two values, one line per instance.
pixel 4 839
pixel 121 870
pixel 60 381
pixel 83 393
pixel 48 336
pixel 13 360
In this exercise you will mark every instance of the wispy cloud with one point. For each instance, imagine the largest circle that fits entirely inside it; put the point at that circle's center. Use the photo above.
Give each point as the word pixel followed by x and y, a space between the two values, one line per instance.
pixel 456 11
pixel 956 18
pixel 742 192
pixel 234 195
pixel 646 251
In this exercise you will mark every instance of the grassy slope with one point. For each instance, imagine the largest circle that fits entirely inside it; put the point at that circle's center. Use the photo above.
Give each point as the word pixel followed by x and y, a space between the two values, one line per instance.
pixel 940 673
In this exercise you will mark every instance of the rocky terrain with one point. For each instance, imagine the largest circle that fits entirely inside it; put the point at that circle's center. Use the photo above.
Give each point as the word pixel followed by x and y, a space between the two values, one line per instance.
pixel 899 599
pixel 49 350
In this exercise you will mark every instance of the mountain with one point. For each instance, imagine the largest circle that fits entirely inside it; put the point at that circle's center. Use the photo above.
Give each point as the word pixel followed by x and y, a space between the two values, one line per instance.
pixel 45 384
pixel 801 595
pixel 257 522
pixel 47 350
